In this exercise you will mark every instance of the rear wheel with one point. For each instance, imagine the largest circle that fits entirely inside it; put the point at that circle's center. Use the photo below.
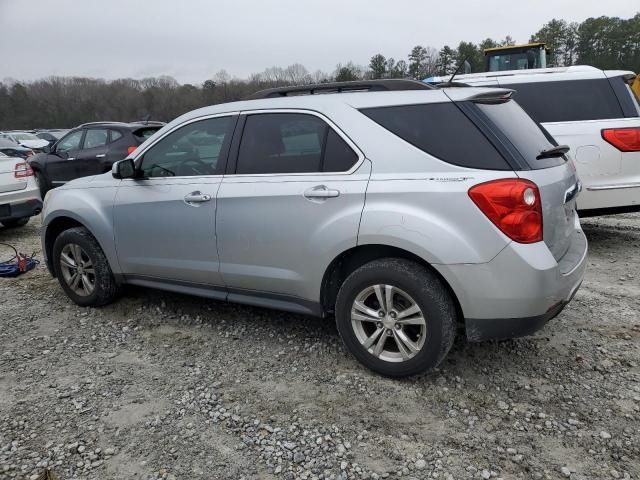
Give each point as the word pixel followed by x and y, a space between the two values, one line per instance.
pixel 396 317
pixel 82 268
pixel 16 222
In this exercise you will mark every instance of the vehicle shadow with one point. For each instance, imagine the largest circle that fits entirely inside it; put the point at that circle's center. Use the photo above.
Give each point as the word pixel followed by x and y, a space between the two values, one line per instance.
pixel 189 312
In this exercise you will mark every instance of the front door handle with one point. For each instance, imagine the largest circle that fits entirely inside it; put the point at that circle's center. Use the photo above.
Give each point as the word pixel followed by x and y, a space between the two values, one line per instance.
pixel 71 158
pixel 321 192
pixel 101 155
pixel 196 198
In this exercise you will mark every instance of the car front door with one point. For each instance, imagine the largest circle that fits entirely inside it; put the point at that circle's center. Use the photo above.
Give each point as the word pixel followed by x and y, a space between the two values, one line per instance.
pixel 290 203
pixel 165 219
pixel 60 167
pixel 90 159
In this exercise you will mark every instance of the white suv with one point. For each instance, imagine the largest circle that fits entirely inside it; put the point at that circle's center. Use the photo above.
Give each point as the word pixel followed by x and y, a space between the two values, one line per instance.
pixel 593 111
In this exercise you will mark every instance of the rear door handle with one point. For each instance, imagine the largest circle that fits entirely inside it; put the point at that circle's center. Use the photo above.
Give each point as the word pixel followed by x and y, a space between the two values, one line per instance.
pixel 71 158
pixel 196 197
pixel 322 192
pixel 101 155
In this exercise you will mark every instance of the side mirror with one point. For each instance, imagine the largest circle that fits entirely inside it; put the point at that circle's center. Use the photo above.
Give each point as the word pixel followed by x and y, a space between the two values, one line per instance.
pixel 124 169
pixel 47 149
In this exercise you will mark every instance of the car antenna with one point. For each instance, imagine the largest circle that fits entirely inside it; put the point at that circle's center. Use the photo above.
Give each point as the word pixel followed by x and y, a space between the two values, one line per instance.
pixel 465 64
pixel 146 119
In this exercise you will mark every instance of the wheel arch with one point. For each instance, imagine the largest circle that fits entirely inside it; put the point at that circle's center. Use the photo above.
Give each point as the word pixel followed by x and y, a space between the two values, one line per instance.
pixel 353 258
pixel 54 228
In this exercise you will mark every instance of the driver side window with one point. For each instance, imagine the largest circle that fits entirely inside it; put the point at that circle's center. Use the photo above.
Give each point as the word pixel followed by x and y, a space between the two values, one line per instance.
pixel 70 142
pixel 193 150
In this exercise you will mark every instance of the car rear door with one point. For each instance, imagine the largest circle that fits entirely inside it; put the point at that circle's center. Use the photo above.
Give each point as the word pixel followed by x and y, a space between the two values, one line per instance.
pixel 165 228
pixel 90 160
pixel 291 201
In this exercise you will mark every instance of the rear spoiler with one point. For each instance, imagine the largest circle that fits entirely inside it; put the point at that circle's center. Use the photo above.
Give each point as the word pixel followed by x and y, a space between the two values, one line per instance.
pixel 492 98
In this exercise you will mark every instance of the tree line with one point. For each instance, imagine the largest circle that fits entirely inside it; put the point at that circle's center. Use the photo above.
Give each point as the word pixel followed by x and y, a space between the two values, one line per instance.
pixel 64 102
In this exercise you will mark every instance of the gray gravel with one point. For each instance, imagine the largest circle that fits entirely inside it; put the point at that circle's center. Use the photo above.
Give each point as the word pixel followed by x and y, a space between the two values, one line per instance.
pixel 167 386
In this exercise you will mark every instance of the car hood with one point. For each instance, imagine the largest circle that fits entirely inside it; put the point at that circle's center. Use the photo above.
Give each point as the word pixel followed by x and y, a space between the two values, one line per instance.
pixel 102 180
pixel 34 143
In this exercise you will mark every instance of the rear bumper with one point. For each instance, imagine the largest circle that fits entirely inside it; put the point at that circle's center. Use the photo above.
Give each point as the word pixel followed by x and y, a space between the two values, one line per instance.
pixel 20 208
pixel 518 291
pixel 478 330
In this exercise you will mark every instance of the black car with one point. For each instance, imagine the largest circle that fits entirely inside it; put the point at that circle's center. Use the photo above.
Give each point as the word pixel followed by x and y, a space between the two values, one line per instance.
pixel 12 149
pixel 89 149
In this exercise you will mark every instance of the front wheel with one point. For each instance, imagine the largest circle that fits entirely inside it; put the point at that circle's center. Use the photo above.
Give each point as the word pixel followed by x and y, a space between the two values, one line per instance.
pixel 82 268
pixel 396 317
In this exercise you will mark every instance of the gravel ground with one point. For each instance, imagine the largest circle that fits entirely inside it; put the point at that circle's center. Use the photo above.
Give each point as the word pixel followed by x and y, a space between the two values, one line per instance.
pixel 161 385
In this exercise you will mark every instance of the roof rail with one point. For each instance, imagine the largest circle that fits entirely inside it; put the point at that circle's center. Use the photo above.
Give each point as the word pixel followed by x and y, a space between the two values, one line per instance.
pixel 100 123
pixel 340 87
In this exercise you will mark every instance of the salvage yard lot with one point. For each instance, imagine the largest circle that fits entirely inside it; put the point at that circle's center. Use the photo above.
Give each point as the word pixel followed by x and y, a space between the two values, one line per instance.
pixel 161 385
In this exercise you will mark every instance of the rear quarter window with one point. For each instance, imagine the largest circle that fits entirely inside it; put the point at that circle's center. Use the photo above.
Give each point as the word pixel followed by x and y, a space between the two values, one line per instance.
pixel 441 130
pixel 568 100
pixel 143 133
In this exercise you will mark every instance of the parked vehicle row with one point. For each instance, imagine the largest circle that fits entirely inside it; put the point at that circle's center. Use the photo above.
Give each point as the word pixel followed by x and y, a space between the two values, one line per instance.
pixel 25 139
pixel 594 112
pixel 406 212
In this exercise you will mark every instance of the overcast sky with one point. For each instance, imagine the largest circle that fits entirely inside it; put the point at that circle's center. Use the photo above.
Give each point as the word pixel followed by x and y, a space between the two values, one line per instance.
pixel 192 39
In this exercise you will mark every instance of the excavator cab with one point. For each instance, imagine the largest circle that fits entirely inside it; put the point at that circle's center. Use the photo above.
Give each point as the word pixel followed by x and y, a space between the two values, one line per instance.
pixel 516 57
pixel 635 86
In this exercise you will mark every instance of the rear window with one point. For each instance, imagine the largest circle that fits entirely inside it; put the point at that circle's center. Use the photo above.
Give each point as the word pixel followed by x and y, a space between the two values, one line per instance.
pixel 523 133
pixel 144 133
pixel 441 130
pixel 567 101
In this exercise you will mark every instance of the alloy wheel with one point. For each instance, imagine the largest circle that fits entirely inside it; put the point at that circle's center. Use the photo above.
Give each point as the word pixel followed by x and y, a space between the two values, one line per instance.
pixel 388 323
pixel 77 270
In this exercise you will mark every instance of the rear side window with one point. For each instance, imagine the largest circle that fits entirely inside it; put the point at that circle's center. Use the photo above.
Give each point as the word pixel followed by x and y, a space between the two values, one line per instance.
pixel 115 135
pixel 95 138
pixel 568 101
pixel 441 130
pixel 291 143
pixel 522 132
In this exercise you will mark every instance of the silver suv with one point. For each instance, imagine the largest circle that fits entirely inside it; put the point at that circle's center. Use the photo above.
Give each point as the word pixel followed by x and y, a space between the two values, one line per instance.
pixel 404 211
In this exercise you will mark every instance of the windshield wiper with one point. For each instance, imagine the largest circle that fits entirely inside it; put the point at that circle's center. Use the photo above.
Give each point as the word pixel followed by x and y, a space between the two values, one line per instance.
pixel 553 152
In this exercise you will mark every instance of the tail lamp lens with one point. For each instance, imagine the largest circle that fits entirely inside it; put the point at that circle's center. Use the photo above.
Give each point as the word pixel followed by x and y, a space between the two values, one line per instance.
pixel 22 170
pixel 130 150
pixel 513 205
pixel 624 139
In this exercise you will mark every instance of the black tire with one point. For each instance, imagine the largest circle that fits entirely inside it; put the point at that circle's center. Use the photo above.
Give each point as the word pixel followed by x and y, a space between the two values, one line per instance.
pixel 106 289
pixel 426 290
pixel 15 222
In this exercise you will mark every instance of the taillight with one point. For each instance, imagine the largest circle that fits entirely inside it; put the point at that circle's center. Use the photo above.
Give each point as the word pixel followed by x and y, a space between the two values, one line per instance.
pixel 22 170
pixel 130 150
pixel 624 139
pixel 513 205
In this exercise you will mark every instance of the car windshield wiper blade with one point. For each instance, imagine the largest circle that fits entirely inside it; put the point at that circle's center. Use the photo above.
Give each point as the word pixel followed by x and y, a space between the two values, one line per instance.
pixel 558 151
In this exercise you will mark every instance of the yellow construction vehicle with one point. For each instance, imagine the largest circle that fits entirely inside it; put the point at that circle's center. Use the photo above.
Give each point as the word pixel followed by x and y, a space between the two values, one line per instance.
pixel 635 86
pixel 516 57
